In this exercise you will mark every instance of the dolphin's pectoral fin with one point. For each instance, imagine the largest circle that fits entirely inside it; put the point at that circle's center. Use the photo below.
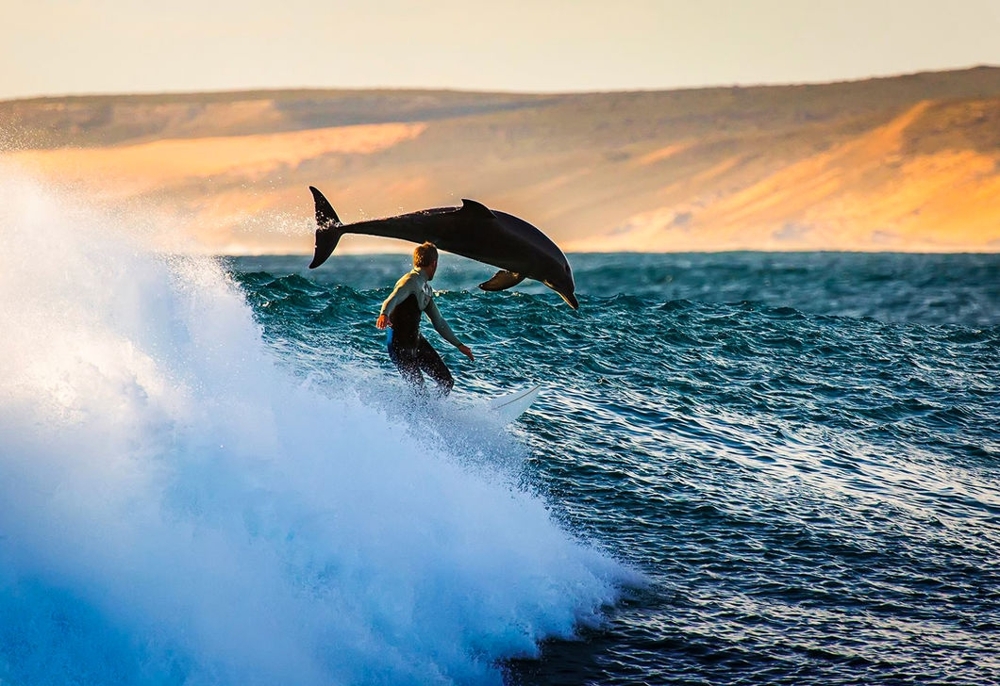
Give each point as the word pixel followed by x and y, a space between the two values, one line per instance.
pixel 502 280
pixel 329 232
pixel 477 209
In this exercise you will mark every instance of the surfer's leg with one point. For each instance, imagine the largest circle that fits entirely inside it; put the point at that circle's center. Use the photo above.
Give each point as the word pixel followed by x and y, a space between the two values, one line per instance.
pixel 407 363
pixel 431 363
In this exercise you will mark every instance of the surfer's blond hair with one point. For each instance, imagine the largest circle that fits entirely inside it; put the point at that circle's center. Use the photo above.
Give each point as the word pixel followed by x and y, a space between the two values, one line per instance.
pixel 425 254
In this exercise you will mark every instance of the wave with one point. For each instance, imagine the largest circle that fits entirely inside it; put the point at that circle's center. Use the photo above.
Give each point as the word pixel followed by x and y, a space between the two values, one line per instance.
pixel 179 507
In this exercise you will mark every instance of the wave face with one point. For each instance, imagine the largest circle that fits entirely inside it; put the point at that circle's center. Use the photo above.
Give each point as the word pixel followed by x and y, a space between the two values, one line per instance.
pixel 208 476
pixel 799 451
pixel 181 503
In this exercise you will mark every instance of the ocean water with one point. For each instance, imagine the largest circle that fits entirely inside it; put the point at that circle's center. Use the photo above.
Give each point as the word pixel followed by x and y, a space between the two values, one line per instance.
pixel 743 469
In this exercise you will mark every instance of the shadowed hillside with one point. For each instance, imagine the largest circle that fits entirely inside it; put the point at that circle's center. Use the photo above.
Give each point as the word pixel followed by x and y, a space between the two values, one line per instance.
pixel 904 163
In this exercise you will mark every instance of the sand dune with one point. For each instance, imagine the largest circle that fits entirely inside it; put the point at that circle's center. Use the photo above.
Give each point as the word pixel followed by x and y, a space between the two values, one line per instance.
pixel 132 169
pixel 909 164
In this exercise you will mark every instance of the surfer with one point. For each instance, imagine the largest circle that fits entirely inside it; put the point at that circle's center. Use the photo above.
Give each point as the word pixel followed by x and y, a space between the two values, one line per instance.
pixel 408 349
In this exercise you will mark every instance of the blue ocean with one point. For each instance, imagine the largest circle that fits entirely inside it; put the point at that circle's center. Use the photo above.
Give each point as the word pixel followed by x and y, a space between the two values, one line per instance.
pixel 743 468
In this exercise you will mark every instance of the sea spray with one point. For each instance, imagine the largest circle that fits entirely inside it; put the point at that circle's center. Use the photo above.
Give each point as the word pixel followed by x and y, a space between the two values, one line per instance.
pixel 177 508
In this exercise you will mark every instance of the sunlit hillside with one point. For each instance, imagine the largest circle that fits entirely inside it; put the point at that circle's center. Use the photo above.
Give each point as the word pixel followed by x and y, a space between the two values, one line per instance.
pixel 909 163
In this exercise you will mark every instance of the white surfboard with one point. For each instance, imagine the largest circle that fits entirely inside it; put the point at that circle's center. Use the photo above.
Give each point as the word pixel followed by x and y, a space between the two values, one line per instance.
pixel 510 406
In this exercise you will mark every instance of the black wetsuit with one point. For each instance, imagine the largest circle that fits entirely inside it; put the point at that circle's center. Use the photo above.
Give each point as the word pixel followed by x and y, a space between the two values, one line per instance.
pixel 408 349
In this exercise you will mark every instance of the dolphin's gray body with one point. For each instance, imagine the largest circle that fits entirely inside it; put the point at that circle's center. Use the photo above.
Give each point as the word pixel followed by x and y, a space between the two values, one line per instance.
pixel 473 230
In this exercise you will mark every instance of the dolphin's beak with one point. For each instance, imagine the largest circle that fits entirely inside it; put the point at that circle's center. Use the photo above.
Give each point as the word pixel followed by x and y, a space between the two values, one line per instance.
pixel 565 295
pixel 570 300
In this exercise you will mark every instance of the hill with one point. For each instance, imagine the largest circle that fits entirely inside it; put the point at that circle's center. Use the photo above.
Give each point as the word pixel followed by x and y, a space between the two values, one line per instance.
pixel 906 163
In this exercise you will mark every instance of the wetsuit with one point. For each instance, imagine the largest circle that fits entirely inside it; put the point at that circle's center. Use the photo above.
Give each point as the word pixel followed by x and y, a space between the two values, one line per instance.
pixel 408 350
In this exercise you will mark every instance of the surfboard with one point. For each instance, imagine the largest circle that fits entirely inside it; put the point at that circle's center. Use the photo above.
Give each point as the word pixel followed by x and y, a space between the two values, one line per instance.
pixel 510 406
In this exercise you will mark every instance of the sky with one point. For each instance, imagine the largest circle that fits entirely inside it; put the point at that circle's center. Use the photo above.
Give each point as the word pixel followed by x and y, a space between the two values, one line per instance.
pixel 61 47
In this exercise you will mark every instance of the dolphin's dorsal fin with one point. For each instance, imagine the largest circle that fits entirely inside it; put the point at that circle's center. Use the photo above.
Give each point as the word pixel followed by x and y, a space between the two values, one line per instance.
pixel 502 280
pixel 477 209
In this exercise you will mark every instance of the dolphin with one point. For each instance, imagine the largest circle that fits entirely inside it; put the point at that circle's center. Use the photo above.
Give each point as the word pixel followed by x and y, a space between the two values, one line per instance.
pixel 473 230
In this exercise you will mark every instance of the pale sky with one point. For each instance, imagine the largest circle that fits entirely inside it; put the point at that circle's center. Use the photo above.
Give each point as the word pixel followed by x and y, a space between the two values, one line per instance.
pixel 58 47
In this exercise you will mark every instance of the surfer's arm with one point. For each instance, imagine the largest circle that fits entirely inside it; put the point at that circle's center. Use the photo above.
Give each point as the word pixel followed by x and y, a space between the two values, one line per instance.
pixel 446 333
pixel 441 325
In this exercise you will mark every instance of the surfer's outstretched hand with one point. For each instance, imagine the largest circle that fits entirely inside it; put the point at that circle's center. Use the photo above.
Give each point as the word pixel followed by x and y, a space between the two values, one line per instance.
pixel 382 321
pixel 464 349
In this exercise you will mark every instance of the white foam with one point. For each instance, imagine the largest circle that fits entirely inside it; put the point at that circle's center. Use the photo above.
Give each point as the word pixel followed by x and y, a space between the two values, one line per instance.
pixel 175 507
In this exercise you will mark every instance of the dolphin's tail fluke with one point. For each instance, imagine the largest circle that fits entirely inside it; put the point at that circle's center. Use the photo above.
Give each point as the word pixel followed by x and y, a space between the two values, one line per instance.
pixel 328 231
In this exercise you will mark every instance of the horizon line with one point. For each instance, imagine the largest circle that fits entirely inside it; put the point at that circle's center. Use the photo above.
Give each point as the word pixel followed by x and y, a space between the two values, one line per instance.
pixel 485 91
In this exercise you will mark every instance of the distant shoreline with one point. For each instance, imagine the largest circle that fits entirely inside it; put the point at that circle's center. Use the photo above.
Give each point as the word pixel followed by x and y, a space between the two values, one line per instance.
pixel 892 164
pixel 244 93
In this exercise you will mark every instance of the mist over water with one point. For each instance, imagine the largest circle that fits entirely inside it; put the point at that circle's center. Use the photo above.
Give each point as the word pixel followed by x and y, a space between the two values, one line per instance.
pixel 179 506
